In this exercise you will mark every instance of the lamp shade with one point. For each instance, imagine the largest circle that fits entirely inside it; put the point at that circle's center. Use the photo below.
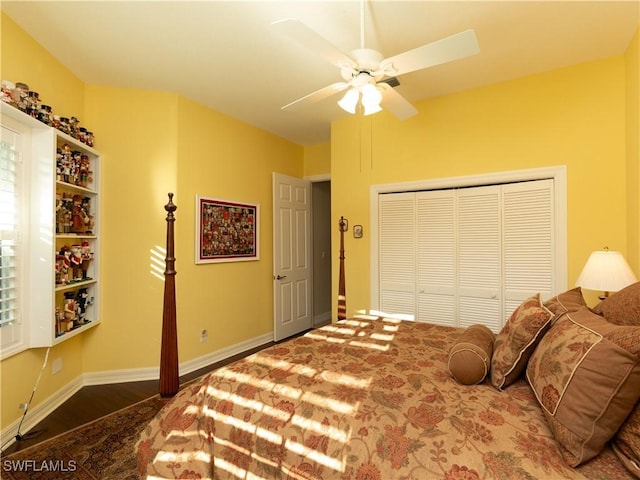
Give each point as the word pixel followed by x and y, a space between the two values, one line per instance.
pixel 606 270
pixel 371 98
pixel 349 101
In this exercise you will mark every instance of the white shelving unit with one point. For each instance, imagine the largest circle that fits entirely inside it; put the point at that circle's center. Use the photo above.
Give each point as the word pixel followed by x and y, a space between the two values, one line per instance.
pixel 63 302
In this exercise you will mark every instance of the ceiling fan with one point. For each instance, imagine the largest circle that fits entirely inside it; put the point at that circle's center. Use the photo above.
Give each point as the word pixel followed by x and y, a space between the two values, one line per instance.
pixel 369 78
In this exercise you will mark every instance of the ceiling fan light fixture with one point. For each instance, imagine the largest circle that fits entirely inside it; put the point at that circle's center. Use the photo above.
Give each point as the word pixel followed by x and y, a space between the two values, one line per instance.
pixel 349 101
pixel 370 109
pixel 371 98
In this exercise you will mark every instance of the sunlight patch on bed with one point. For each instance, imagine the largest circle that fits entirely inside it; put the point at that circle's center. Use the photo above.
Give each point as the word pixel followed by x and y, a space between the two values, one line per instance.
pixel 344 379
pixel 343 331
pixel 354 323
pixel 382 336
pixel 321 428
pixel 198 455
pixel 373 346
pixel 391 317
pixel 324 337
pixel 249 403
pixel 335 405
pixel 261 383
pixel 315 455
pixel 230 467
pixel 268 361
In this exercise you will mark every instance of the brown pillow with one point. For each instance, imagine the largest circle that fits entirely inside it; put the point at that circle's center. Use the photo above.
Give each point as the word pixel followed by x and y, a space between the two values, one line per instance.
pixel 623 307
pixel 517 340
pixel 568 301
pixel 470 357
pixel 626 443
pixel 585 373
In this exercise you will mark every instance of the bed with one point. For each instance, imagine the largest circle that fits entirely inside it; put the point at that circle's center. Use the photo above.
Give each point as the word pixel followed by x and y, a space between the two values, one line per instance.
pixel 553 395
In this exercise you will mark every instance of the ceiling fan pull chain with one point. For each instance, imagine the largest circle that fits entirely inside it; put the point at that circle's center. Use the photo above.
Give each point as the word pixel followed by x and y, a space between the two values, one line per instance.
pixel 362 23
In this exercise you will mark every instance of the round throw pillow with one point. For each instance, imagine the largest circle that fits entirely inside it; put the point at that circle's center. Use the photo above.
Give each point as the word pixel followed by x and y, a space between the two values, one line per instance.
pixel 470 356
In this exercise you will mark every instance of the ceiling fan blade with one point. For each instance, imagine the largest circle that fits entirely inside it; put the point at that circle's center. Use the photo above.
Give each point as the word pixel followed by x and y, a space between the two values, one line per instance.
pixel 303 35
pixel 317 95
pixel 395 103
pixel 460 45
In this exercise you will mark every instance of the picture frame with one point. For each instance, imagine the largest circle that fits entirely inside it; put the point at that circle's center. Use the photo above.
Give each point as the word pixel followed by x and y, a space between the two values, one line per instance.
pixel 226 230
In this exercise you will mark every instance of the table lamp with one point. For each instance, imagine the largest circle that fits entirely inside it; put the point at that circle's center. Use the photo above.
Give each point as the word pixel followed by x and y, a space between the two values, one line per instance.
pixel 606 270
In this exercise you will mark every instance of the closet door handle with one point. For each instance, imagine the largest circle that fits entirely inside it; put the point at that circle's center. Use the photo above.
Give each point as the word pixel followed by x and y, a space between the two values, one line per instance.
pixel 280 277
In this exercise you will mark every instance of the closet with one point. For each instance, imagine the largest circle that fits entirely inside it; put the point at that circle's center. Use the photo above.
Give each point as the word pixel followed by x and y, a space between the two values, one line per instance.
pixel 460 256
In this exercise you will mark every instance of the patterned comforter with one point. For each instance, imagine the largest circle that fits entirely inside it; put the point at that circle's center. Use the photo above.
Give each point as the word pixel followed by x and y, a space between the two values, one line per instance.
pixel 361 399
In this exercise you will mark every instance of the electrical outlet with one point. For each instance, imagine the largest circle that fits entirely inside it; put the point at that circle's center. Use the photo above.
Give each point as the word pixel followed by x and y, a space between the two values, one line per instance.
pixel 56 365
pixel 203 336
pixel 23 406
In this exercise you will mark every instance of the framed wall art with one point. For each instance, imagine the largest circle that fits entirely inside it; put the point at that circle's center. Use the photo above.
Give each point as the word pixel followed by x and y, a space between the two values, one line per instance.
pixel 226 231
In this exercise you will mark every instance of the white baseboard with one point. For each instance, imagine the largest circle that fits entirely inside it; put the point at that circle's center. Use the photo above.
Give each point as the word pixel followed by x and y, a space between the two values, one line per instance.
pixel 47 406
pixel 38 412
pixel 153 373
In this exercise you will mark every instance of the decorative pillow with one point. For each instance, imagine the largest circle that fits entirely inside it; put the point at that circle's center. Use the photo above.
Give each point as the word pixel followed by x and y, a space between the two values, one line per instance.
pixel 470 357
pixel 626 443
pixel 585 373
pixel 517 340
pixel 623 307
pixel 568 301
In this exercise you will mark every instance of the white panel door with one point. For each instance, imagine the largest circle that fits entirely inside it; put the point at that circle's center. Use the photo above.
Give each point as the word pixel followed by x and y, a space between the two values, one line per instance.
pixel 291 256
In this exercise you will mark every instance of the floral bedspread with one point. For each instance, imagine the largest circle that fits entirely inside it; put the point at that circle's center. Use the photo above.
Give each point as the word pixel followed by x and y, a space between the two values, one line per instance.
pixel 362 399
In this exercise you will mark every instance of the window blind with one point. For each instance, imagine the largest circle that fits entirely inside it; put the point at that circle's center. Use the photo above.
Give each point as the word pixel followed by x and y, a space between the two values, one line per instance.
pixel 9 231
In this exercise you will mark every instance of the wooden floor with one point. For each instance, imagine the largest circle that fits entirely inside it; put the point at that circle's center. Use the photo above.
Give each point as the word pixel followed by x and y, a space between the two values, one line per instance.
pixel 93 402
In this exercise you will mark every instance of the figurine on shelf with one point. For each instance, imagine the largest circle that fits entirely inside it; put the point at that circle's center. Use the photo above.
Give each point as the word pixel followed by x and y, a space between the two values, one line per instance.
pixel 70 310
pixel 61 324
pixel 80 218
pixel 82 301
pixel 63 264
pixel 76 262
pixel 61 269
pixel 7 89
pixel 20 95
pixel 85 171
pixel 87 256
pixel 64 206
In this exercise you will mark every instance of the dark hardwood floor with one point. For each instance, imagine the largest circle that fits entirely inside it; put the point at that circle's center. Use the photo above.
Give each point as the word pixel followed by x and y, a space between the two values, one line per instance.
pixel 92 402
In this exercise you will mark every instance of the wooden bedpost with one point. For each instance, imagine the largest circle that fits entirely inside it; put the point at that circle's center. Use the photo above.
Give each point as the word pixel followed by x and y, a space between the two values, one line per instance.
pixel 342 298
pixel 169 377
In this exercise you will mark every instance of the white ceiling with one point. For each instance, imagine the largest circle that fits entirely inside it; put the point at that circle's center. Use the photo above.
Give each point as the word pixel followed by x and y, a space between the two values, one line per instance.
pixel 226 55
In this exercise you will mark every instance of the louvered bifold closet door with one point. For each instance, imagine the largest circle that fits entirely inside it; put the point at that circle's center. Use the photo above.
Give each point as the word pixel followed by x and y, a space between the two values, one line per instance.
pixel 397 253
pixel 528 241
pixel 479 257
pixel 436 256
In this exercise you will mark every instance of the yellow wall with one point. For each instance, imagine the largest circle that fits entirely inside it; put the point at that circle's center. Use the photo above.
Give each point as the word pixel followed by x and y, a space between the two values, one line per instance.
pixel 153 143
pixel 136 133
pixel 317 159
pixel 573 116
pixel 632 58
pixel 223 158
pixel 62 90
pixel 24 60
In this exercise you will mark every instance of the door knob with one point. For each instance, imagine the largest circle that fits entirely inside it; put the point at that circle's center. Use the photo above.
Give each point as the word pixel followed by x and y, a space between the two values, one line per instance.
pixel 280 277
